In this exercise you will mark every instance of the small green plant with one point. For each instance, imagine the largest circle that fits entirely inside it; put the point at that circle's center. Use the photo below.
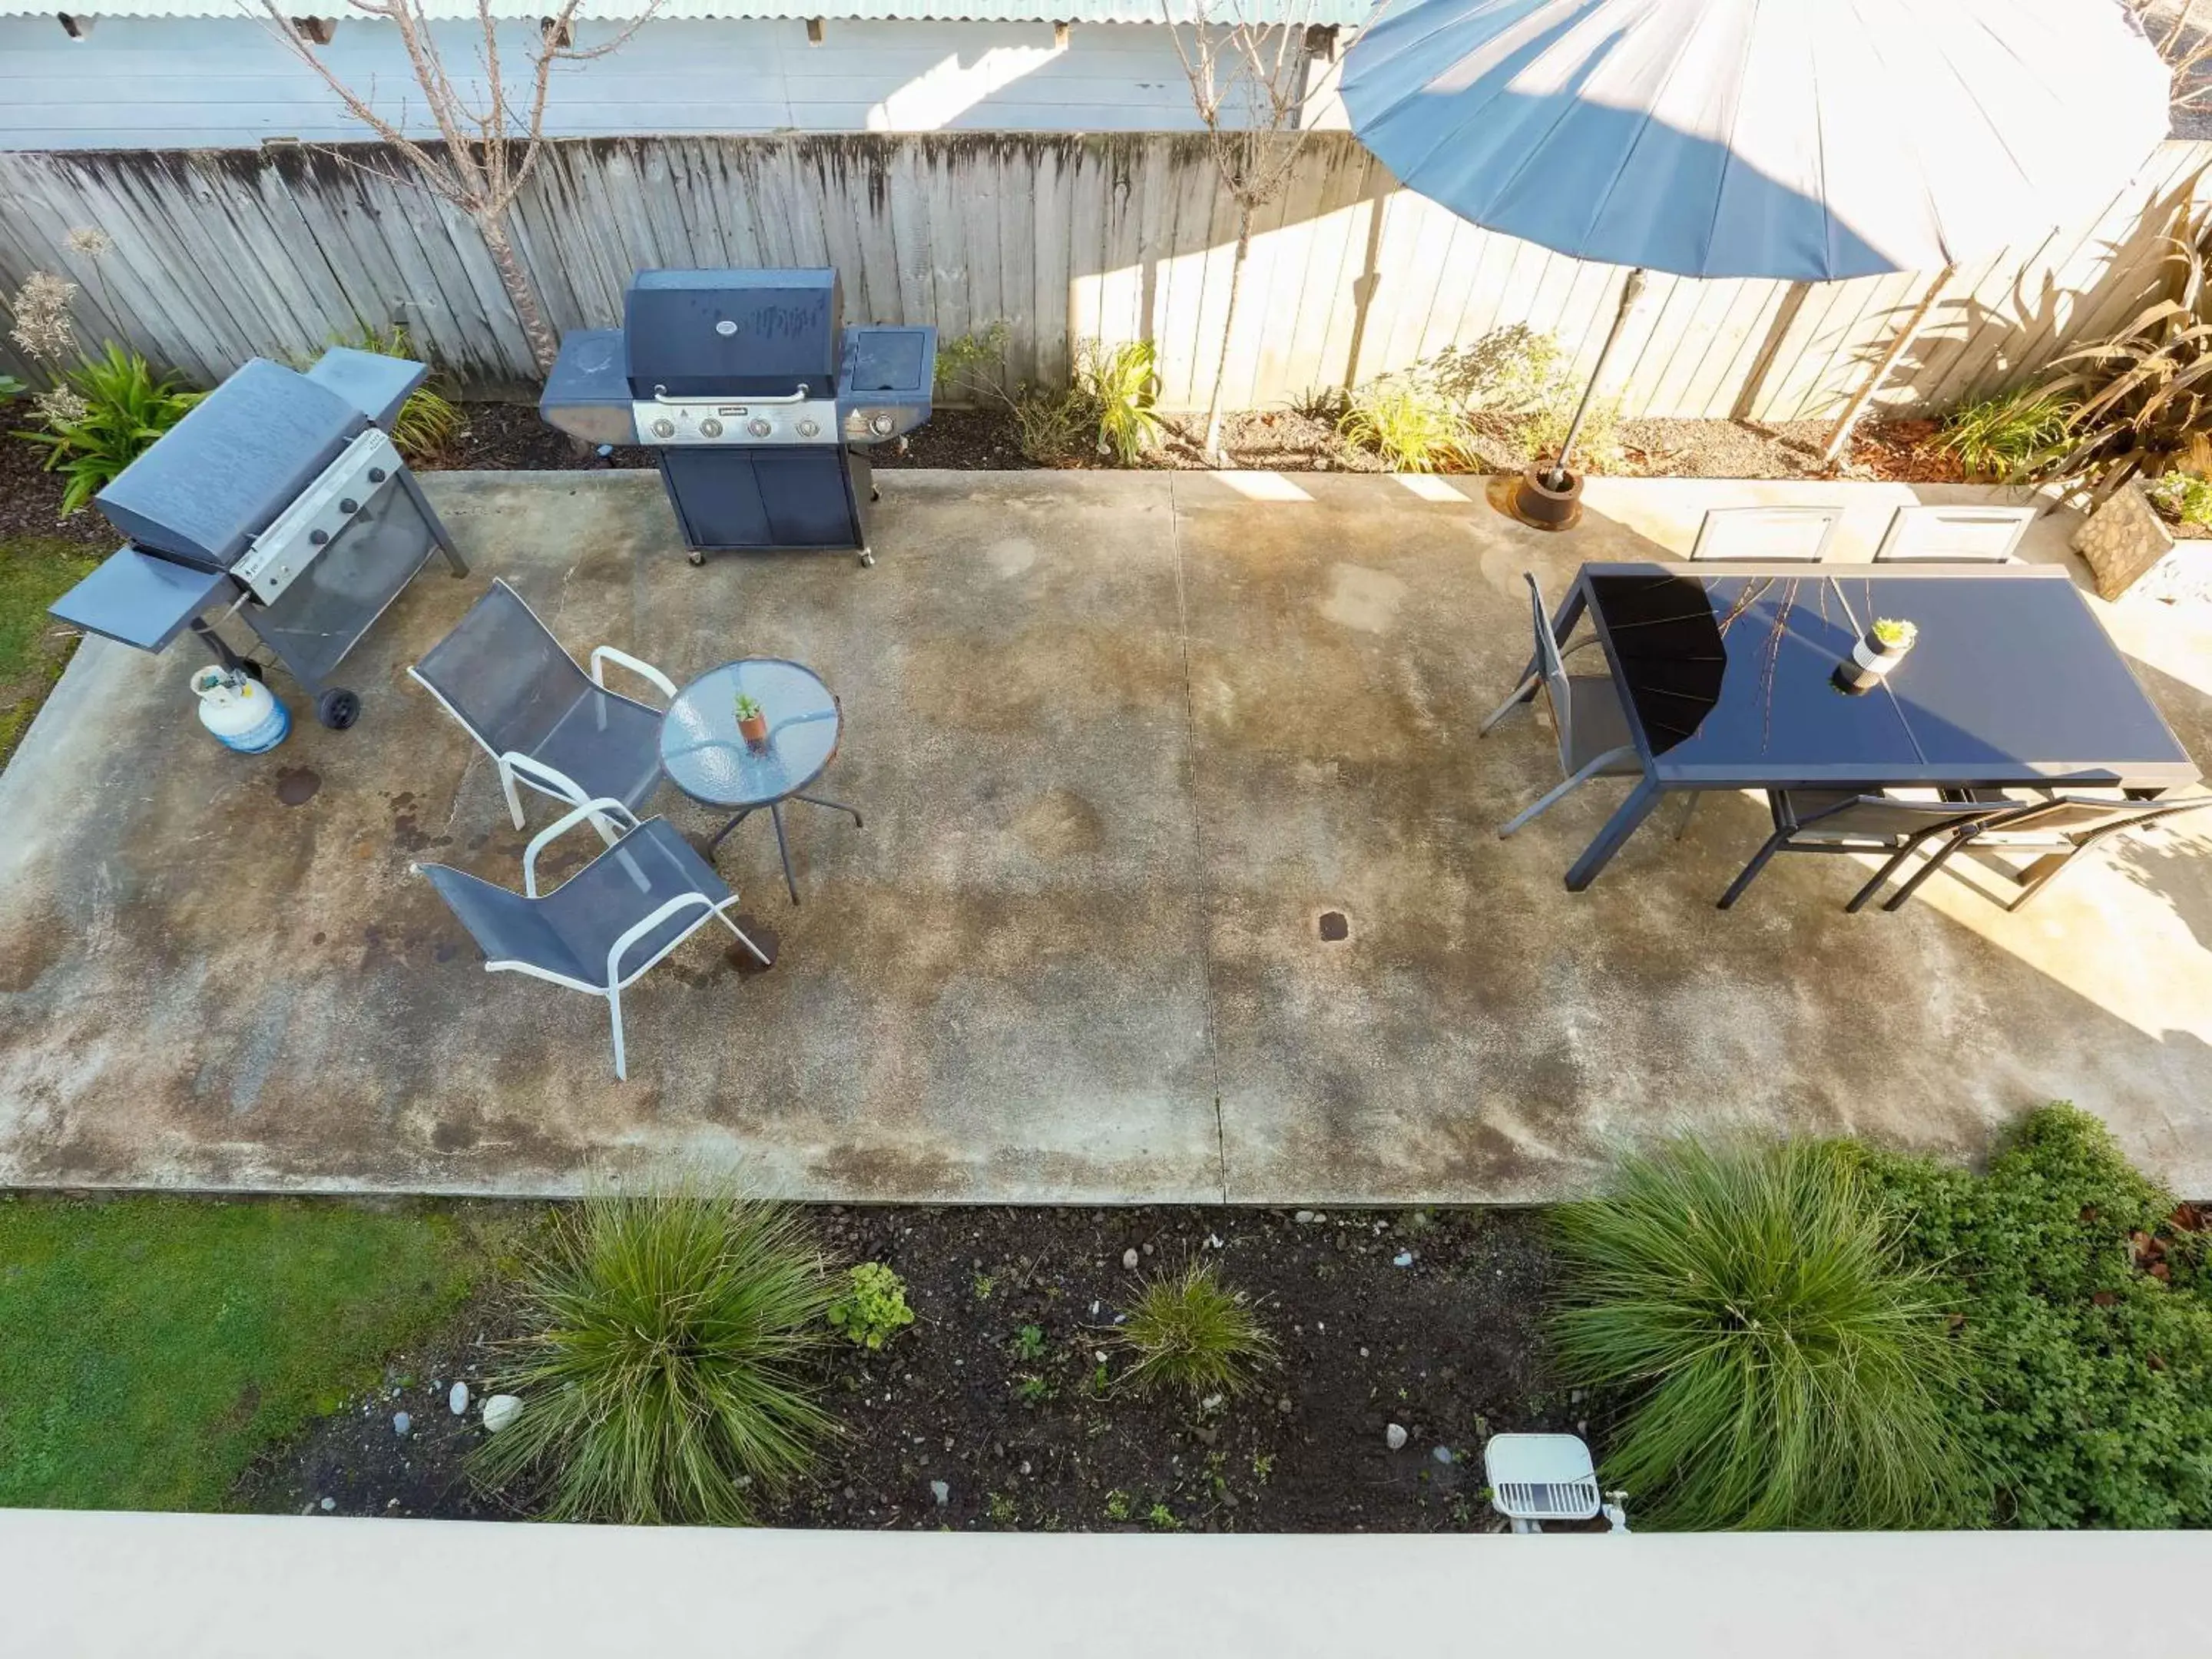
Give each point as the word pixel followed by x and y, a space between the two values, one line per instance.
pixel 1780 1363
pixel 2186 496
pixel 1117 1505
pixel 1121 386
pixel 1192 1335
pixel 1028 1343
pixel 1896 633
pixel 982 1283
pixel 746 708
pixel 2083 1296
pixel 1413 427
pixel 2012 437
pixel 429 422
pixel 1048 426
pixel 1099 1380
pixel 106 413
pixel 972 362
pixel 1001 1510
pixel 661 1373
pixel 1161 1518
pixel 871 1309
pixel 1032 1390
pixel 1263 1465
pixel 11 388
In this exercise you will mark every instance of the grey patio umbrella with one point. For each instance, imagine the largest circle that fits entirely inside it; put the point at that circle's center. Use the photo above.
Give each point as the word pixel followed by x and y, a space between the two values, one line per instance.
pixel 1798 140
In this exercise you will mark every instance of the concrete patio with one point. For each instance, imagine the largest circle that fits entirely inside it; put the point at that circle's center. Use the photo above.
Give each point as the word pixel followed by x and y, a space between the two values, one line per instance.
pixel 1120 739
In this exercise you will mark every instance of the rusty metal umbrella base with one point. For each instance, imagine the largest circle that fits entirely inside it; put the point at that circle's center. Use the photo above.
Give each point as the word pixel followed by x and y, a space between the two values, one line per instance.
pixel 1549 495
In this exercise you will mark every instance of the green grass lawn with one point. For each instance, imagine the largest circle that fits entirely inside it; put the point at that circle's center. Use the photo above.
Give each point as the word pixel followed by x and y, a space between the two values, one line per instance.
pixel 35 572
pixel 150 1346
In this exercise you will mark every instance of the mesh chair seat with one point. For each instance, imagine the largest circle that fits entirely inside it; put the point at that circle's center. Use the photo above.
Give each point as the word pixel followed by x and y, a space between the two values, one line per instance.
pixel 651 881
pixel 608 744
pixel 513 686
pixel 1598 728
pixel 1590 720
pixel 1851 816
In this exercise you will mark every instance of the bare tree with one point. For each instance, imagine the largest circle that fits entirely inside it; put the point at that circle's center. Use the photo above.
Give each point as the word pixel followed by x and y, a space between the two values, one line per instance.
pixel 487 149
pixel 1248 84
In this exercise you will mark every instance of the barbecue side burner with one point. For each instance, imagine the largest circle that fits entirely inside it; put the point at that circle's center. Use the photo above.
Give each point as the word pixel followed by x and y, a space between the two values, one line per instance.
pixel 759 400
pixel 279 500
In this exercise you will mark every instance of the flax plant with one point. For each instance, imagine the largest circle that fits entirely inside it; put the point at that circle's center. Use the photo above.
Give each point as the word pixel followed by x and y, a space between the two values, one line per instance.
pixel 1193 1335
pixel 1779 1363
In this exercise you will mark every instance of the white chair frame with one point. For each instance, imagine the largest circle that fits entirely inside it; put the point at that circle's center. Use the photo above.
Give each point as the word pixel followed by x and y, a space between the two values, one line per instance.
pixel 515 768
pixel 1724 533
pixel 1906 540
pixel 605 806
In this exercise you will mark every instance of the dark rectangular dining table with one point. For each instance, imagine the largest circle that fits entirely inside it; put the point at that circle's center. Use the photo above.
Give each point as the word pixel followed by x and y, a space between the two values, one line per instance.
pixel 1727 674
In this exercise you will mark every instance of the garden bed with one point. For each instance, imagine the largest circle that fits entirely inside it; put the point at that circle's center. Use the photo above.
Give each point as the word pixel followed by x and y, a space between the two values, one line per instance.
pixel 993 1390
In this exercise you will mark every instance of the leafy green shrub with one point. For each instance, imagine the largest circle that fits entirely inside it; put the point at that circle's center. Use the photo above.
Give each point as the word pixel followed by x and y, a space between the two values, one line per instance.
pixel 428 422
pixel 1783 1365
pixel 972 362
pixel 107 412
pixel 1522 388
pixel 659 1375
pixel 2086 1308
pixel 1121 386
pixel 1193 1335
pixel 2014 436
pixel 11 388
pixel 2184 496
pixel 1412 426
pixel 1050 427
pixel 873 1308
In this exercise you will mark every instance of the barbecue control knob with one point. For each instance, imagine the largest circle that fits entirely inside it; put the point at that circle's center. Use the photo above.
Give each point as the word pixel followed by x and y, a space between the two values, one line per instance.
pixel 377 475
pixel 710 428
pixel 881 425
pixel 809 428
pixel 663 427
pixel 318 537
pixel 758 426
pixel 348 507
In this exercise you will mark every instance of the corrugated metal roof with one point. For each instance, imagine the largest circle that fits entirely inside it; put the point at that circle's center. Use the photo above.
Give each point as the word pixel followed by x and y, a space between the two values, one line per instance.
pixel 1339 12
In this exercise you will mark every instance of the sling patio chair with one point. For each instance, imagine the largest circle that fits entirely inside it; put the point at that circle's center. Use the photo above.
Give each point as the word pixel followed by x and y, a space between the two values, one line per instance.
pixel 2062 827
pixel 1850 821
pixel 1953 535
pixel 601 930
pixel 1587 715
pixel 544 720
pixel 1796 535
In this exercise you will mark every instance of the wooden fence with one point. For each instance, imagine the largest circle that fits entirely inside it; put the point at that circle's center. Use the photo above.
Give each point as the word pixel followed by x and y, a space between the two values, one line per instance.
pixel 218 255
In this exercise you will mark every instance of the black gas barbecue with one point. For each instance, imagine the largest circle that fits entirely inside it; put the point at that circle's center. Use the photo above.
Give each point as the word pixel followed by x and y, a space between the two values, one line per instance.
pixel 759 401
pixel 279 500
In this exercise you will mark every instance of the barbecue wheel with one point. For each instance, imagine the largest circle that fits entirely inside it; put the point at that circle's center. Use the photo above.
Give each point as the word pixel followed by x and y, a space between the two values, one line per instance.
pixel 337 708
pixel 697 557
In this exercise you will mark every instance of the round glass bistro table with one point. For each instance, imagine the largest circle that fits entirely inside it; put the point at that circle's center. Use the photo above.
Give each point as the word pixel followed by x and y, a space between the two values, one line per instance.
pixel 707 758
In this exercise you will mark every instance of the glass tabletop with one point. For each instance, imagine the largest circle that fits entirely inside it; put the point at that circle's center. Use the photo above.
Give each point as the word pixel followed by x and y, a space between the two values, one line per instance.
pixel 1729 679
pixel 707 758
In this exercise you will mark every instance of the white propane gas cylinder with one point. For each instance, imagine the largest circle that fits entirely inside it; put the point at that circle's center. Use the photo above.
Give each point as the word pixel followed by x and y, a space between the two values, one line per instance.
pixel 243 713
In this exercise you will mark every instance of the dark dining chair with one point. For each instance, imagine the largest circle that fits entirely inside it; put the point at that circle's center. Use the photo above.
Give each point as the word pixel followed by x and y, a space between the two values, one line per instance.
pixel 2064 826
pixel 1851 821
pixel 1586 716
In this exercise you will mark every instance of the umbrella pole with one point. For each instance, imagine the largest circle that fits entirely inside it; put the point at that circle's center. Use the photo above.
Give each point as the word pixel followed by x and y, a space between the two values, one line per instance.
pixel 1632 290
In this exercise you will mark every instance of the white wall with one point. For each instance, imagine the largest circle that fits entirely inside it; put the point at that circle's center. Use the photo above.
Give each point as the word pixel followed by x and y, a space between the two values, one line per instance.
pixel 134 82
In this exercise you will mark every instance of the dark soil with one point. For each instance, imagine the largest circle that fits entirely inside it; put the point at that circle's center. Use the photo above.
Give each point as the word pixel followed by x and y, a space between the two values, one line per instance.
pixel 1013 1420
pixel 30 497
pixel 511 437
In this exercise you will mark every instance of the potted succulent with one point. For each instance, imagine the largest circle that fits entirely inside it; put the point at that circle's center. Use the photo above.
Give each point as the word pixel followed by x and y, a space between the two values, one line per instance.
pixel 752 721
pixel 1875 655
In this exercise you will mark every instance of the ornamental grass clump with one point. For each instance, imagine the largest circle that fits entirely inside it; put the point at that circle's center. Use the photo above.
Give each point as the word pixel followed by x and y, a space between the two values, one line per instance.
pixel 1193 1335
pixel 661 1378
pixel 1779 1363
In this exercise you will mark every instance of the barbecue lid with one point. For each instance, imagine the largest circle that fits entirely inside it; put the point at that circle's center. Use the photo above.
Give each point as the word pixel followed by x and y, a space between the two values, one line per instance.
pixel 216 478
pixel 732 333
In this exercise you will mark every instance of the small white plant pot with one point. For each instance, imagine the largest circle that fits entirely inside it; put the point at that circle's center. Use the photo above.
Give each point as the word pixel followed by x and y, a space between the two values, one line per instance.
pixel 1868 665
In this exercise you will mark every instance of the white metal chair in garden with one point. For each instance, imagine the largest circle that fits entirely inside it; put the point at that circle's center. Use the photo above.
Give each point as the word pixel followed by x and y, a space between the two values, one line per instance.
pixel 1790 535
pixel 603 928
pixel 543 720
pixel 1953 535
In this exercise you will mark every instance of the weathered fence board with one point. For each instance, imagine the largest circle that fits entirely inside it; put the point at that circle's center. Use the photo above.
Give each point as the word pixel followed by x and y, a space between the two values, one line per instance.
pixel 220 254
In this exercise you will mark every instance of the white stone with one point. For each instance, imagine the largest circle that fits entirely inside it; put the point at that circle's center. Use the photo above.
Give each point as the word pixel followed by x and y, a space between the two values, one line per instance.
pixel 501 1410
pixel 401 1423
pixel 1394 1436
pixel 456 1400
pixel 1129 1257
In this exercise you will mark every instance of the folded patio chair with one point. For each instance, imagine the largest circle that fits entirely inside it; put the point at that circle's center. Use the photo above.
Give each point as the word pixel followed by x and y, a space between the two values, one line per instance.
pixel 544 720
pixel 600 931
pixel 1954 535
pixel 1847 821
pixel 2066 825
pixel 1586 711
pixel 1795 535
